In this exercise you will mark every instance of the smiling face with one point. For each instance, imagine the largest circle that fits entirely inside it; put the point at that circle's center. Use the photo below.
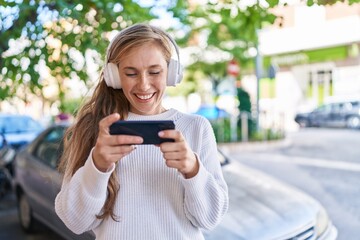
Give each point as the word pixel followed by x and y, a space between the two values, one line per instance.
pixel 143 73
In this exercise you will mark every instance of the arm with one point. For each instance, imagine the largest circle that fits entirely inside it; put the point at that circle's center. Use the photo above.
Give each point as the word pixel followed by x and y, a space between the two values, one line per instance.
pixel 206 198
pixel 84 194
pixel 206 194
pixel 196 158
pixel 82 197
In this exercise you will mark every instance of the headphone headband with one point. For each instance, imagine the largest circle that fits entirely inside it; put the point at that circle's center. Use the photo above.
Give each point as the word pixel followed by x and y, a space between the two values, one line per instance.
pixel 174 76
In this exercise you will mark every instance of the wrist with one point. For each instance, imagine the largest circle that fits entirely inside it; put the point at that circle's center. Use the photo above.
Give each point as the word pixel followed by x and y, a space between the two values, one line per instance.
pixel 100 166
pixel 194 171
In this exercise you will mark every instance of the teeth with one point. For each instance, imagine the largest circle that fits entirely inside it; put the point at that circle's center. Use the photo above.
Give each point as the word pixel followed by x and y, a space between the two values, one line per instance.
pixel 145 97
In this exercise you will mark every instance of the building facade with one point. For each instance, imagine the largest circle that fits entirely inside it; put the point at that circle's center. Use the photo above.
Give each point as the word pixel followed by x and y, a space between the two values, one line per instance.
pixel 313 54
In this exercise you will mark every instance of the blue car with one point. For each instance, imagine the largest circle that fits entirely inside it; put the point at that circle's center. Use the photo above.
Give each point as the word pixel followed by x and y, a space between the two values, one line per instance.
pixel 18 130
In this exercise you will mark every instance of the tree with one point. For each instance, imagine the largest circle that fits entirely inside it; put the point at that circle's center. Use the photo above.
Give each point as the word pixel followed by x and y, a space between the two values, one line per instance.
pixel 55 41
pixel 50 43
pixel 229 27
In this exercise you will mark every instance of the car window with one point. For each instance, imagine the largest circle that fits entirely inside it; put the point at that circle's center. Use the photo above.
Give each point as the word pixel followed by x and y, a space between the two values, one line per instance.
pixel 355 104
pixel 337 107
pixel 18 124
pixel 50 147
pixel 323 109
pixel 346 107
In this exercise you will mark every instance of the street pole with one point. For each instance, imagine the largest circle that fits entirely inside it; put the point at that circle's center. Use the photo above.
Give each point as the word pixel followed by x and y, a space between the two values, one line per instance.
pixel 258 70
pixel 233 70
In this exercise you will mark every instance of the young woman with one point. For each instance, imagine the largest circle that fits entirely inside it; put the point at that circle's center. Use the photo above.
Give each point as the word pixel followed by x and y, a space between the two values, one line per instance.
pixel 122 189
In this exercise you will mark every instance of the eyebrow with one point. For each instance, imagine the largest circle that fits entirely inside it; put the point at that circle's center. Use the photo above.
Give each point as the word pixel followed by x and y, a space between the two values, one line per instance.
pixel 151 66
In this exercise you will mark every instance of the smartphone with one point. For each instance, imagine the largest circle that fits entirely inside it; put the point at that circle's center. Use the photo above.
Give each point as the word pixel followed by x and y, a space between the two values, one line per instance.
pixel 148 130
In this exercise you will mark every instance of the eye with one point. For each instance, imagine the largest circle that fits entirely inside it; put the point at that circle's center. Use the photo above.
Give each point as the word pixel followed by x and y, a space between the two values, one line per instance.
pixel 130 74
pixel 155 73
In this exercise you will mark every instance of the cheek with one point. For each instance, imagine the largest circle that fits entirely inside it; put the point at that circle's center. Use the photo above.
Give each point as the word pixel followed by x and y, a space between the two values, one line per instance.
pixel 163 80
pixel 162 85
pixel 127 83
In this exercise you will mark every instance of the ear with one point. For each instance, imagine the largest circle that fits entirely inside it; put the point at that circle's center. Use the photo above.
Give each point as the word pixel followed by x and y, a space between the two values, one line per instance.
pixel 174 75
pixel 112 76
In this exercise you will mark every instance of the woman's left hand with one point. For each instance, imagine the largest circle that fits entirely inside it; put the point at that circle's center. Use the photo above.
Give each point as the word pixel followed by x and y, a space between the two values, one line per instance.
pixel 178 154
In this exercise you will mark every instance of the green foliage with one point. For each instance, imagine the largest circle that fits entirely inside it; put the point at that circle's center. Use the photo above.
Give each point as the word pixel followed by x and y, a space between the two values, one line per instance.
pixel 61 36
pixel 57 35
pixel 71 106
pixel 329 2
pixel 231 28
pixel 223 130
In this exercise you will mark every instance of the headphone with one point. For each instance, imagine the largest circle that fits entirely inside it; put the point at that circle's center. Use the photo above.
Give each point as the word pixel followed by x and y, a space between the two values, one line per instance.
pixel 174 76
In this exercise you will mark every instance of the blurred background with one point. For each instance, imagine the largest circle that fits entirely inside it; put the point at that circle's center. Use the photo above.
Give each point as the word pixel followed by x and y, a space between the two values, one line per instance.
pixel 261 71
pixel 263 61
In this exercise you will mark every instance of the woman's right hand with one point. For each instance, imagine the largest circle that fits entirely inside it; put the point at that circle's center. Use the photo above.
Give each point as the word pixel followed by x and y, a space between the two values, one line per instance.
pixel 109 149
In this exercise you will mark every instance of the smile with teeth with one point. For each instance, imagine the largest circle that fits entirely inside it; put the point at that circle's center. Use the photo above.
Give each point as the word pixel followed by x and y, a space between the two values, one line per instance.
pixel 145 97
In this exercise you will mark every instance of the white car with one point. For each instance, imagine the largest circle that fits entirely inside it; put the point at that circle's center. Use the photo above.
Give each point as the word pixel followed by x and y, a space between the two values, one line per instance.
pixel 263 208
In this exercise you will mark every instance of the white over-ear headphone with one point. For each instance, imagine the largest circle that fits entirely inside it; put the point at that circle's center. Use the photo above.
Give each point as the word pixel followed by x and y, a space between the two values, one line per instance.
pixel 174 76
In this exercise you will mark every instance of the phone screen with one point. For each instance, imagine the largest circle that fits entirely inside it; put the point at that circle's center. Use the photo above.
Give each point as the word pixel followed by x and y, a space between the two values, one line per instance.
pixel 148 130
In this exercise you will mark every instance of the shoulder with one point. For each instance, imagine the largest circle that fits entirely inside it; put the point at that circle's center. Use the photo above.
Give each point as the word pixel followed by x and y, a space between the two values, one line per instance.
pixel 192 118
pixel 192 122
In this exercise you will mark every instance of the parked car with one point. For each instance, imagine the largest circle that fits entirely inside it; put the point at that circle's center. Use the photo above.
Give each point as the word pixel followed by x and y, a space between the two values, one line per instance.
pixel 18 130
pixel 264 208
pixel 337 114
pixel 260 206
pixel 37 182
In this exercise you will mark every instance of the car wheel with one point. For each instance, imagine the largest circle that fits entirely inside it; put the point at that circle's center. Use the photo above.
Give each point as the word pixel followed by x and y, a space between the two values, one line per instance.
pixel 353 122
pixel 27 220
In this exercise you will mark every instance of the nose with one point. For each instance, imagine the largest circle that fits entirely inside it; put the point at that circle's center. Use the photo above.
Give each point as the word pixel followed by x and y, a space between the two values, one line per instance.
pixel 144 82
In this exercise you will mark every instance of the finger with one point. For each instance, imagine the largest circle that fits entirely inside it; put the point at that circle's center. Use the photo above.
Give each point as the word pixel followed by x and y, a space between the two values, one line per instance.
pixel 105 123
pixel 120 149
pixel 173 134
pixel 176 147
pixel 104 157
pixel 182 166
pixel 172 164
pixel 174 155
pixel 127 140
pixel 118 140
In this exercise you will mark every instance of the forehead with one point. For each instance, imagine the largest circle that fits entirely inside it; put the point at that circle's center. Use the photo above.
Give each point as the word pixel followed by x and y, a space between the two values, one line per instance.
pixel 150 53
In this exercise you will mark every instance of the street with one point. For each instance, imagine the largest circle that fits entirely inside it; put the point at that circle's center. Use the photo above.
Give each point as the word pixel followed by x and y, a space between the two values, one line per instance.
pixel 10 227
pixel 324 163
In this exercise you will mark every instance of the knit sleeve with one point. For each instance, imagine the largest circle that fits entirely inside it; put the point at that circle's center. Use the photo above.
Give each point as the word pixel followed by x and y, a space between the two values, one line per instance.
pixel 82 197
pixel 206 194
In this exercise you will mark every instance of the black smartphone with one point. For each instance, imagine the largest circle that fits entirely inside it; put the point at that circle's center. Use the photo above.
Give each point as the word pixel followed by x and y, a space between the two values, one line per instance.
pixel 148 130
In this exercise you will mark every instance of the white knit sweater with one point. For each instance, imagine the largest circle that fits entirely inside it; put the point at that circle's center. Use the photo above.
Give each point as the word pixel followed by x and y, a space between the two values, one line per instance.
pixel 154 201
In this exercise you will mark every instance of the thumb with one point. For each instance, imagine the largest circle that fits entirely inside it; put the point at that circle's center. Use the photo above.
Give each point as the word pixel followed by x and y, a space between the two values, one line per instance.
pixel 107 121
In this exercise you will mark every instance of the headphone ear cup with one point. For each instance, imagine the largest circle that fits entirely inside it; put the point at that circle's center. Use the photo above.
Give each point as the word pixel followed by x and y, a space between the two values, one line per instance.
pixel 112 76
pixel 174 75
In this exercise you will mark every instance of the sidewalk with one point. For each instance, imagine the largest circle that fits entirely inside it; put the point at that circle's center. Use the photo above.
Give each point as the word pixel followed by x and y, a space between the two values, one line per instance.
pixel 235 147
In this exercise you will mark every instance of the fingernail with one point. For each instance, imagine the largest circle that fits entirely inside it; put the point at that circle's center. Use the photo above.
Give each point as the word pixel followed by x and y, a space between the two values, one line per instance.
pixel 161 133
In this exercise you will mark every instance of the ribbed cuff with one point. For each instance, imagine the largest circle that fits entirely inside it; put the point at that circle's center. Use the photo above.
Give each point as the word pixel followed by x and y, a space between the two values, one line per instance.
pixel 196 182
pixel 95 181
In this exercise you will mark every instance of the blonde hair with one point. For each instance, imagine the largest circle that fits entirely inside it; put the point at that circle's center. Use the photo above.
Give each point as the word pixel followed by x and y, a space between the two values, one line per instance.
pixel 104 102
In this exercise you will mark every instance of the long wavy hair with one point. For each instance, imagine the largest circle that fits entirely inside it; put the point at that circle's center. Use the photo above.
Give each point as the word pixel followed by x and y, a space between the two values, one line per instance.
pixel 80 138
